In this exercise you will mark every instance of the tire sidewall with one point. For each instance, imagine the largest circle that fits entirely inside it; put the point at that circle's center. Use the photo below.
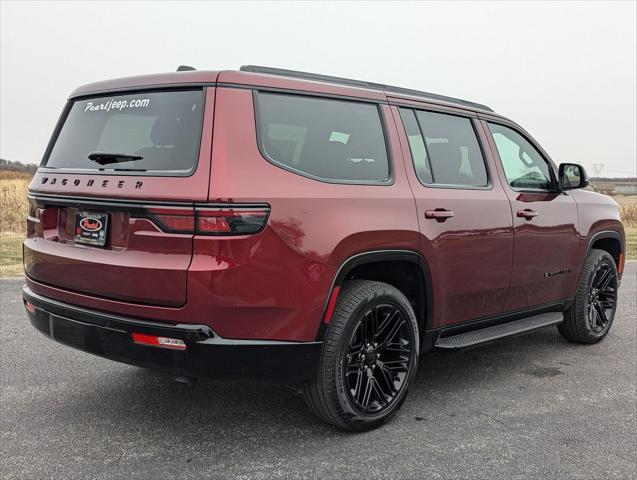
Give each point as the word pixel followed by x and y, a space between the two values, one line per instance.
pixel 356 419
pixel 582 312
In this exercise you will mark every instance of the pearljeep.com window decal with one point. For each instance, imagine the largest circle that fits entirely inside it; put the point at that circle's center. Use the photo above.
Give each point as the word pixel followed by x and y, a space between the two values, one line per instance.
pixel 120 105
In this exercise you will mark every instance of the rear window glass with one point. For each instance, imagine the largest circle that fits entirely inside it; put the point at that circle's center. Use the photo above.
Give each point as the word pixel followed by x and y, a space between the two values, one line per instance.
pixel 163 128
pixel 328 139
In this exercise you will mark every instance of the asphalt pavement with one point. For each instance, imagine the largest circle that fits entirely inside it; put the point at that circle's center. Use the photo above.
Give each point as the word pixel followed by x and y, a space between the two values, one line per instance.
pixel 533 406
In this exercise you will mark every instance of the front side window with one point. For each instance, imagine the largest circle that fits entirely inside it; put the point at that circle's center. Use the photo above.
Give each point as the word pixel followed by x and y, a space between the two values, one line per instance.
pixel 524 166
pixel 327 139
pixel 152 131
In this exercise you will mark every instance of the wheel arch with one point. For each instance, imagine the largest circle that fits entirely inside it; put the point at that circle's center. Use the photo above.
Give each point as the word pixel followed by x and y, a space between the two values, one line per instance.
pixel 610 241
pixel 395 267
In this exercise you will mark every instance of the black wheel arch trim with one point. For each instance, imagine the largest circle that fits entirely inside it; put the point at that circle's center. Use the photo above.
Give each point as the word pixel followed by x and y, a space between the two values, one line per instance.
pixel 605 234
pixel 379 256
pixel 601 235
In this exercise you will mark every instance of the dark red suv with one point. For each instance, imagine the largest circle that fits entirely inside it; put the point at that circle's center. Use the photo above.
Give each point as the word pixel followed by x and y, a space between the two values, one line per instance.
pixel 273 224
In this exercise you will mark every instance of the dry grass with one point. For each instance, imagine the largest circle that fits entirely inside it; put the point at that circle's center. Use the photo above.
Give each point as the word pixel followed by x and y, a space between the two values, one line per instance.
pixel 628 208
pixel 629 215
pixel 15 206
pixel 631 243
pixel 13 214
pixel 10 175
pixel 11 255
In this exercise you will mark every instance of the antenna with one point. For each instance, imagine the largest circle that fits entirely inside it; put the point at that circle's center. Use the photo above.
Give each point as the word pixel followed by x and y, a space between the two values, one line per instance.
pixel 185 68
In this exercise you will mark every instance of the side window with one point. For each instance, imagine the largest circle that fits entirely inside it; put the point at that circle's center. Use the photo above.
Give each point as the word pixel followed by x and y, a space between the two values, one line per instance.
pixel 524 167
pixel 416 145
pixel 453 149
pixel 445 149
pixel 328 139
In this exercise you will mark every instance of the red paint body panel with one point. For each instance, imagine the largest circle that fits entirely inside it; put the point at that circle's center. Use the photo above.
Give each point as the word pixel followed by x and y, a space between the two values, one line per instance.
pixel 275 285
pixel 319 224
pixel 597 213
pixel 546 243
pixel 468 254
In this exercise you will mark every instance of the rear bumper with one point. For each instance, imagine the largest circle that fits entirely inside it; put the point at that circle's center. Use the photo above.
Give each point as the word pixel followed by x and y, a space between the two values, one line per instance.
pixel 206 353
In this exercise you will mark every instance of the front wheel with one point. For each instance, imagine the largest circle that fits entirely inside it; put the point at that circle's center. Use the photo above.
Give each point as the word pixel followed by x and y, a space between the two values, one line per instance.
pixel 591 316
pixel 369 357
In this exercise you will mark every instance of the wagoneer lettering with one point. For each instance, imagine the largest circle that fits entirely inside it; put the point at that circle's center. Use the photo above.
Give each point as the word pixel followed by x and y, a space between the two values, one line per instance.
pixel 326 231
pixel 90 182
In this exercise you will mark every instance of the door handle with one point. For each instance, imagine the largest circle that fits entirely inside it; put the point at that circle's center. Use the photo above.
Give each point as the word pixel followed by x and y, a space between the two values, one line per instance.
pixel 527 213
pixel 439 214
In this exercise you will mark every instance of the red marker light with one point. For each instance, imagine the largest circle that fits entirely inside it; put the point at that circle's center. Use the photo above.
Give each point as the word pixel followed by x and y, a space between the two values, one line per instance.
pixel 30 307
pixel 155 341
pixel 331 305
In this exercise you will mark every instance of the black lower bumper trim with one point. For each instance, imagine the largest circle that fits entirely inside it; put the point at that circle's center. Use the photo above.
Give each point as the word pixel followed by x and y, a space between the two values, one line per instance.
pixel 206 354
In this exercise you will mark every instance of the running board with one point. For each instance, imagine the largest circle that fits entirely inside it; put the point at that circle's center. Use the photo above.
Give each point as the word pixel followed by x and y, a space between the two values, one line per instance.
pixel 475 337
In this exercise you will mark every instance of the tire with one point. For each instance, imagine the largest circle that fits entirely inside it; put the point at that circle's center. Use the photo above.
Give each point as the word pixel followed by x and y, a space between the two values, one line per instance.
pixel 369 357
pixel 590 317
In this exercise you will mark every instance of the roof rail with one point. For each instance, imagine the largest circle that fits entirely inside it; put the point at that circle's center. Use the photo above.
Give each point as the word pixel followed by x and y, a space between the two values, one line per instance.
pixel 360 83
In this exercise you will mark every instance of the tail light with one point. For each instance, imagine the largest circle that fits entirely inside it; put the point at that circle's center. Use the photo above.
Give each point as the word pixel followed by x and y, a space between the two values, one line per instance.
pixel 213 220
pixel 231 221
pixel 42 221
pixel 173 220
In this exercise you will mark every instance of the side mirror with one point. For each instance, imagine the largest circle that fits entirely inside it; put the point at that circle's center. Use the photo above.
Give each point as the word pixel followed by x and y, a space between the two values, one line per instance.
pixel 572 176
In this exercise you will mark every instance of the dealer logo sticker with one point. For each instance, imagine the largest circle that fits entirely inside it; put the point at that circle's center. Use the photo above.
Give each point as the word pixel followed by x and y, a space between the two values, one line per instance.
pixel 90 224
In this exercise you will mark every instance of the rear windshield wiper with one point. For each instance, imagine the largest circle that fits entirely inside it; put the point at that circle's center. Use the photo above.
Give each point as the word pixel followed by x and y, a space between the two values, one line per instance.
pixel 104 158
pixel 122 169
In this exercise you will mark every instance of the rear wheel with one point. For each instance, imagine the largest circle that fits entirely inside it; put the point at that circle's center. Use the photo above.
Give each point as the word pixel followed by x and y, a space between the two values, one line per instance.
pixel 369 357
pixel 591 316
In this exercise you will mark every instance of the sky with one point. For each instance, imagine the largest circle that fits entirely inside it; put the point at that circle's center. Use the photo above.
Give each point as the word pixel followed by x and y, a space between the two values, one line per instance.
pixel 565 71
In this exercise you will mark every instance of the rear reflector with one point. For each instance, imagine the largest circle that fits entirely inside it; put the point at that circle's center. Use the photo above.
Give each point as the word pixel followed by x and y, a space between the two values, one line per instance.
pixel 30 307
pixel 331 305
pixel 155 341
pixel 620 263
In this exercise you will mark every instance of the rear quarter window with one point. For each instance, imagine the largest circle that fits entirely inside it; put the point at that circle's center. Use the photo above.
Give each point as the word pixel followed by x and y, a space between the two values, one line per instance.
pixel 325 139
pixel 164 128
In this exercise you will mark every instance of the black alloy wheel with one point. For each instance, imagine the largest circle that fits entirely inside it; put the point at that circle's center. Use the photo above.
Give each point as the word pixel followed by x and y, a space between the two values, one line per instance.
pixel 602 298
pixel 379 358
pixel 590 317
pixel 369 357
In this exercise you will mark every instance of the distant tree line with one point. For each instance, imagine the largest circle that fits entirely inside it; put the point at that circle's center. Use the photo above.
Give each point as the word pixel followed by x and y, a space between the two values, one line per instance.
pixel 12 166
pixel 614 179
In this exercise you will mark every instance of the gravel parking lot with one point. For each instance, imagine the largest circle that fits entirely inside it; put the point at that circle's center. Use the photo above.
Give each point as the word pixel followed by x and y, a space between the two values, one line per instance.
pixel 530 407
